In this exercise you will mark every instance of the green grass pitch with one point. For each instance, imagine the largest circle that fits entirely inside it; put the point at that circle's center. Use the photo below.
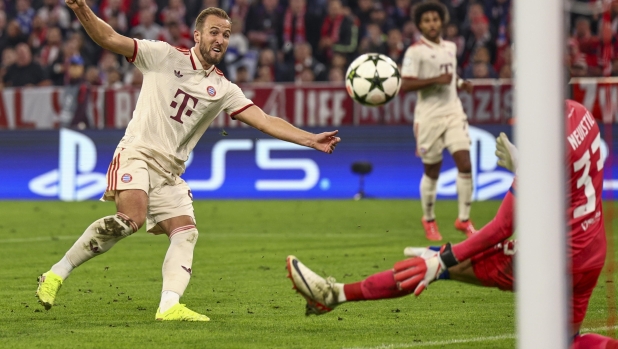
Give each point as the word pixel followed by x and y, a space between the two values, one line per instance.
pixel 239 280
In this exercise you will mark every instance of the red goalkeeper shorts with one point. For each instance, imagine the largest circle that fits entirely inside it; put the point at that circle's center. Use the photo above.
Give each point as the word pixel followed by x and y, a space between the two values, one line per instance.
pixel 495 268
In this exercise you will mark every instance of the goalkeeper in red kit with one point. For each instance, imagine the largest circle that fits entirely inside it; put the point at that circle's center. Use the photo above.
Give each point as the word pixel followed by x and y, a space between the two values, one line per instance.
pixel 487 257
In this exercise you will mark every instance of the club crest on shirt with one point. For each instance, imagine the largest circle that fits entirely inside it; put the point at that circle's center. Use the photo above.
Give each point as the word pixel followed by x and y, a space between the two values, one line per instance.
pixel 211 91
pixel 126 178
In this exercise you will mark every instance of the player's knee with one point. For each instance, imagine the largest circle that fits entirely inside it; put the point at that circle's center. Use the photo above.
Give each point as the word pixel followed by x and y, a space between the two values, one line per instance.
pixel 464 166
pixel 109 230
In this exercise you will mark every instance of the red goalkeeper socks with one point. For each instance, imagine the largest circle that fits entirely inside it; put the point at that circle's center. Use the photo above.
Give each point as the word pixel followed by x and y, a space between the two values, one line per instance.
pixel 377 286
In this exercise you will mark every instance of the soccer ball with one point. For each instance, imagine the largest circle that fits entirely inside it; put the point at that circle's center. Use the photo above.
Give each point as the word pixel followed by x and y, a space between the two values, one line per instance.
pixel 372 79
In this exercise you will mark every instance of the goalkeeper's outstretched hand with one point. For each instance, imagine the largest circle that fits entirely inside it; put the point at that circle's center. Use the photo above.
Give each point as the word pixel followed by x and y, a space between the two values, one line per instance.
pixel 415 274
pixel 506 152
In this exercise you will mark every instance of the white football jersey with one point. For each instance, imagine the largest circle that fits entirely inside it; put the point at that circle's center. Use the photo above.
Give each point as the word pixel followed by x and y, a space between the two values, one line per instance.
pixel 426 60
pixel 177 102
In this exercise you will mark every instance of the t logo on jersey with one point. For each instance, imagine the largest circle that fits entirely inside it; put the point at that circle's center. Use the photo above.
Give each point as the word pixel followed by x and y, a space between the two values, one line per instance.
pixel 183 105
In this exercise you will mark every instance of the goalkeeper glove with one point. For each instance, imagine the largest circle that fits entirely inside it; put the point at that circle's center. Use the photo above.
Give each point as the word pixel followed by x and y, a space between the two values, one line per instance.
pixel 507 153
pixel 415 274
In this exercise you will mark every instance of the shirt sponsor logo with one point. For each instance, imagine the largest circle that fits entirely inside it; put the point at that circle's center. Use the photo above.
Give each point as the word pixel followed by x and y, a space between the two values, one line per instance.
pixel 126 178
pixel 211 91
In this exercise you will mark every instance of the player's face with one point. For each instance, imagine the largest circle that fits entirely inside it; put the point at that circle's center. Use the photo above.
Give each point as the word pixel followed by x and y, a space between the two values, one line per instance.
pixel 431 25
pixel 213 39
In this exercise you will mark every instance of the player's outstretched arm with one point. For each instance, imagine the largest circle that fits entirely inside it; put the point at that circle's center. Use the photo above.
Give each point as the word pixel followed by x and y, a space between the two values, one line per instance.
pixel 104 35
pixel 281 129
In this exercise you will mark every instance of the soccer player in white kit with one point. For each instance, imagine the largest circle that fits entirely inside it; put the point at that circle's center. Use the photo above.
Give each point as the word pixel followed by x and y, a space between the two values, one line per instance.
pixel 181 95
pixel 429 67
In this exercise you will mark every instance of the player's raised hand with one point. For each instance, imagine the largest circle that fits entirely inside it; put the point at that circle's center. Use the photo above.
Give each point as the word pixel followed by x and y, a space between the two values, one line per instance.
pixel 415 274
pixel 75 4
pixel 506 152
pixel 327 141
pixel 444 79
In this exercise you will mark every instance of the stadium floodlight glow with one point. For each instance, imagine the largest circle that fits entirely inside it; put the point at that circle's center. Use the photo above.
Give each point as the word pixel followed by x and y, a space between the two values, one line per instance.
pixel 541 270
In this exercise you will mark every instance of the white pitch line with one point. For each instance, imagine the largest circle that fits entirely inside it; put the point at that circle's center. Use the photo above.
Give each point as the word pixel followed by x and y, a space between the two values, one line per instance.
pixel 466 340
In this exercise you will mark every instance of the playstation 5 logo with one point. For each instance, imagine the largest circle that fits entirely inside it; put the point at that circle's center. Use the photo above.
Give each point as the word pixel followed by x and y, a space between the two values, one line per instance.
pixel 74 179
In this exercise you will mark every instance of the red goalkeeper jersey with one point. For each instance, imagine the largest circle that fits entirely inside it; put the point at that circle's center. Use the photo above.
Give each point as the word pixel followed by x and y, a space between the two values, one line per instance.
pixel 585 184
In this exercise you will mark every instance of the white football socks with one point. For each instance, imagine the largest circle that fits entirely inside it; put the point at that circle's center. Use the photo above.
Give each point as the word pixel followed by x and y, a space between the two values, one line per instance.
pixel 177 265
pixel 428 196
pixel 97 239
pixel 464 194
pixel 340 293
pixel 168 300
pixel 63 268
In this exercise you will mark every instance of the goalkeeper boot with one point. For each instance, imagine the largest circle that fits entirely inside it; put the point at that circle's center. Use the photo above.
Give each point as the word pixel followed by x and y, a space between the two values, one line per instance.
pixel 431 230
pixel 180 312
pixel 49 284
pixel 321 294
pixel 465 227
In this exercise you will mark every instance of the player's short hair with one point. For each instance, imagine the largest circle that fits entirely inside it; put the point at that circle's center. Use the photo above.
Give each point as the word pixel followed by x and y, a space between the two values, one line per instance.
pixel 215 11
pixel 429 6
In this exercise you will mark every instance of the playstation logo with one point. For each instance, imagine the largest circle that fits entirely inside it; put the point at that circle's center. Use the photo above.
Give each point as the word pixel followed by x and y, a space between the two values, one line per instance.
pixel 74 179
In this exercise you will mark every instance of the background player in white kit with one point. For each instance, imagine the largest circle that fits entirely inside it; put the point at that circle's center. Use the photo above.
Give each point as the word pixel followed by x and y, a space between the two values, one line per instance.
pixel 182 93
pixel 429 67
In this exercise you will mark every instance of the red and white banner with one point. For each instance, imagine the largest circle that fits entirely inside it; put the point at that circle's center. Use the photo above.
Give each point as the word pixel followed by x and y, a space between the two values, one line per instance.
pixel 318 104
pixel 599 95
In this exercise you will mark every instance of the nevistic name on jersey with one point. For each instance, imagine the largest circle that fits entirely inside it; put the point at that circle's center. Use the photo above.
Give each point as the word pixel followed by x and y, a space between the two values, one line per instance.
pixel 373 79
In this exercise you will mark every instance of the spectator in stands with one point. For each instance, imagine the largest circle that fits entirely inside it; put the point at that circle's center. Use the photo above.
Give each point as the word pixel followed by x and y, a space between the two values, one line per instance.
pixel 14 35
pixel 114 80
pixel 74 100
pixel 264 74
pixel 238 44
pixel 374 40
pixel 306 76
pixel 57 66
pixel 505 58
pixel 410 33
pixel 615 67
pixel 264 29
pixel 175 11
pixel 481 57
pixel 452 34
pixel 379 16
pixel 115 15
pixel 586 42
pixel 147 28
pixel 143 6
pixel 8 58
pixel 400 13
pixel 93 76
pixel 339 61
pixel 479 36
pixel 336 75
pixel 24 15
pixel 242 75
pixel 86 49
pixel 607 50
pixel 277 72
pixel 239 11
pixel 176 34
pixel 498 12
pixel 25 72
pixel 395 47
pixel 38 34
pixel 475 11
pixel 505 72
pixel 299 26
pixel 55 14
pixel 363 15
pixel 303 59
pixel 52 47
pixel 339 33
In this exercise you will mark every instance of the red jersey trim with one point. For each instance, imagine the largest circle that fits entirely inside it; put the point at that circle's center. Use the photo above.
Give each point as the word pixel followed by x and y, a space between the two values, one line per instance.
pixel 240 110
pixel 132 59
pixel 192 62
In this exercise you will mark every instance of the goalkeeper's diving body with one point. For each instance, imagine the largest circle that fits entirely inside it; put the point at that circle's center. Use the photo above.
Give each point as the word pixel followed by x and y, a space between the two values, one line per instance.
pixel 486 258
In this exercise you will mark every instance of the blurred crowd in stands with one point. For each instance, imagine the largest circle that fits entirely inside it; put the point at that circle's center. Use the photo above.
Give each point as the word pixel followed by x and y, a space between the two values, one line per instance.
pixel 42 43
